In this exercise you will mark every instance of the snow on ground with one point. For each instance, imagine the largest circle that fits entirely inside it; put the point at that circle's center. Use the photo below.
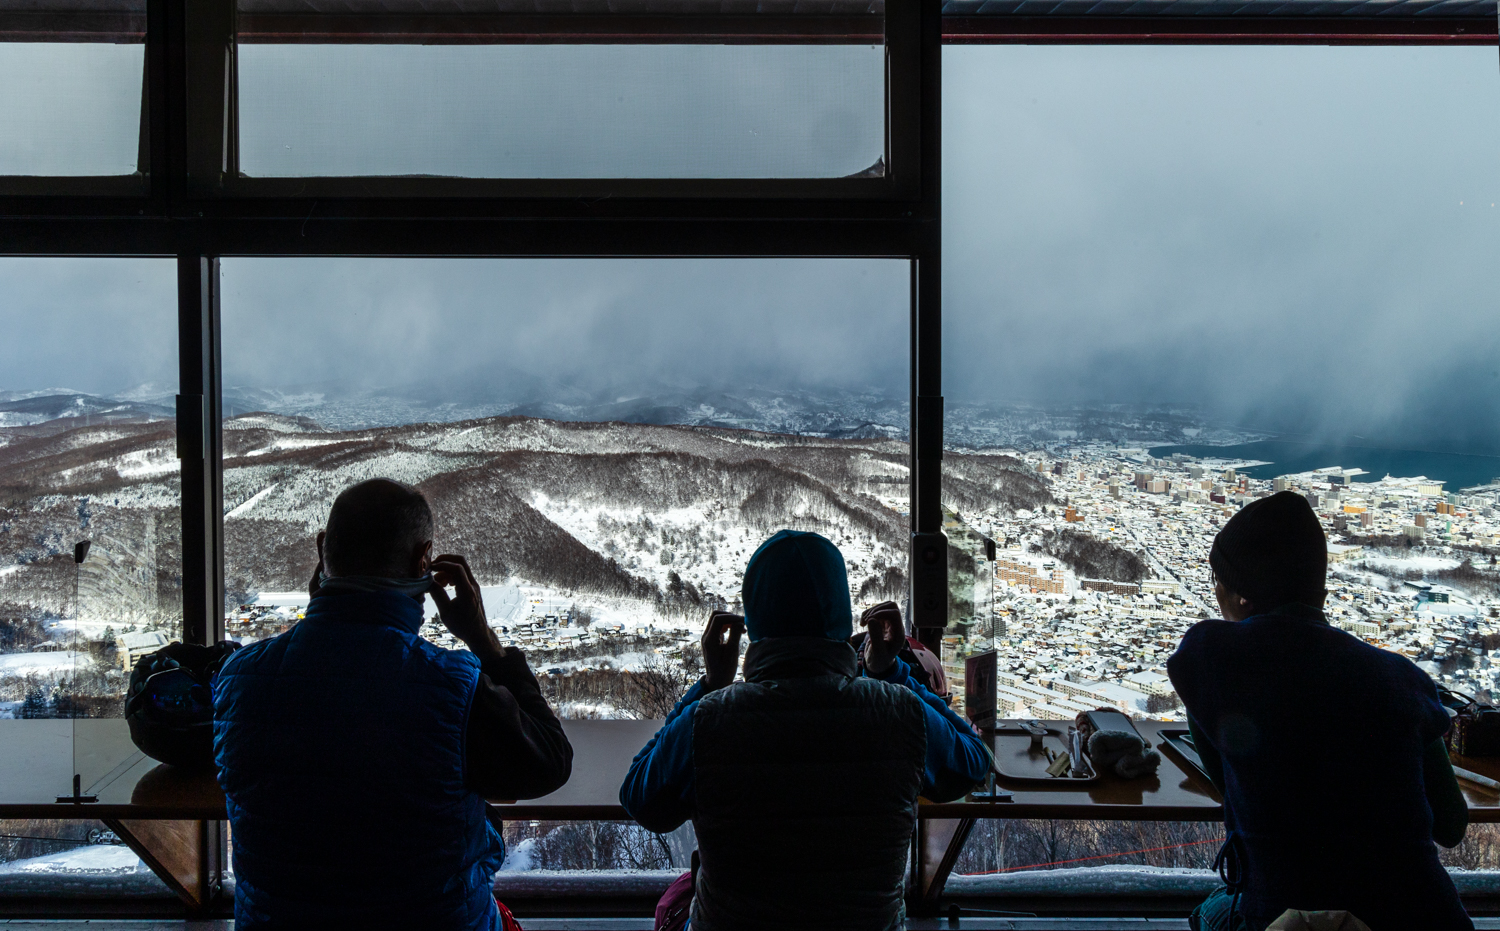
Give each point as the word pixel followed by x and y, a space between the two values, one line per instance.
pixel 252 501
pixel 634 661
pixel 20 664
pixel 88 628
pixel 601 711
pixel 282 599
pixel 146 463
pixel 92 858
pixel 505 603
pixel 289 443
pixel 863 555
pixel 8 709
pixel 1452 609
pixel 520 857
pixel 512 602
pixel 517 601
pixel 1387 565
pixel 583 523
pixel 1364 577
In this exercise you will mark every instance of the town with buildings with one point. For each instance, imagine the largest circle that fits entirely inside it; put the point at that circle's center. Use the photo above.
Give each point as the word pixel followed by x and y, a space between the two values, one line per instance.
pixel 1410 570
pixel 1069 640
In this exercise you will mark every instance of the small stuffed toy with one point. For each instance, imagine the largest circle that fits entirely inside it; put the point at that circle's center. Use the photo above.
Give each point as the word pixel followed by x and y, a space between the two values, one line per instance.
pixel 1122 752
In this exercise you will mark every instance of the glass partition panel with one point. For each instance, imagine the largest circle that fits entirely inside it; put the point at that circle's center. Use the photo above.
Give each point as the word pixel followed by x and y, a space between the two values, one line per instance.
pixel 1179 279
pixel 562 110
pixel 89 529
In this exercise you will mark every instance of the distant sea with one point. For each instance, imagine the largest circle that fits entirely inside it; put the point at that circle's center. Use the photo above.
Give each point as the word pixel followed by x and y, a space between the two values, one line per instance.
pixel 1455 470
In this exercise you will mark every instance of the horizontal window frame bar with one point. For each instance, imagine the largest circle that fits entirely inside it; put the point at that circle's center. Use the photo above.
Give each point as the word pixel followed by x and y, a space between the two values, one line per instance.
pixel 771 29
pixel 570 29
pixel 711 237
pixel 362 188
pixel 114 27
pixel 130 191
pixel 1219 30
pixel 593 203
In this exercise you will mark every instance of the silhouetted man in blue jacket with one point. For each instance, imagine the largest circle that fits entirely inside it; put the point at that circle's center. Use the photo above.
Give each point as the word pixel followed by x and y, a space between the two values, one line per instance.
pixel 356 757
pixel 802 780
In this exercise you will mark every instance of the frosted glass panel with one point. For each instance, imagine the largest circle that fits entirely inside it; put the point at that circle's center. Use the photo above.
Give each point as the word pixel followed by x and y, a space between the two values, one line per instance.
pixel 70 108
pixel 562 111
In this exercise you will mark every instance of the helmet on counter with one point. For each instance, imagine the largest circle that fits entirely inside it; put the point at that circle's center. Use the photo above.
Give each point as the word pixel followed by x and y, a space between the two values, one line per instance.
pixel 169 706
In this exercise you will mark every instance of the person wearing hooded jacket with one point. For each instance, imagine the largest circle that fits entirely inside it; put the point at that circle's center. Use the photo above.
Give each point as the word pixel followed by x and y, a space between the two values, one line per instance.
pixel 1328 751
pixel 802 780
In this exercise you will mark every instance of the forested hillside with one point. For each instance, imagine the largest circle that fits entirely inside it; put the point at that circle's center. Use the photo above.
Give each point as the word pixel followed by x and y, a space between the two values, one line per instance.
pixel 664 516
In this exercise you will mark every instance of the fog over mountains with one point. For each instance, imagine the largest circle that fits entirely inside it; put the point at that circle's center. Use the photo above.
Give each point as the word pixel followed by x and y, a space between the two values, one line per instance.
pixel 828 413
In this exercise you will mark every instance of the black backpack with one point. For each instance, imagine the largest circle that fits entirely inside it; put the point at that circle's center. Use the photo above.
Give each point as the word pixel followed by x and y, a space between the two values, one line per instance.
pixel 1474 727
pixel 169 706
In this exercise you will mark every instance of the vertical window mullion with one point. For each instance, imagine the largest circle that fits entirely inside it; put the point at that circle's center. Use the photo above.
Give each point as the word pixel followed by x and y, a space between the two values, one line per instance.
pixel 199 443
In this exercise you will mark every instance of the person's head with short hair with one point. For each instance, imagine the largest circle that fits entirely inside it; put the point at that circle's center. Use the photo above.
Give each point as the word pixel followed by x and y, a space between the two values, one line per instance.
pixel 1270 554
pixel 377 528
pixel 796 585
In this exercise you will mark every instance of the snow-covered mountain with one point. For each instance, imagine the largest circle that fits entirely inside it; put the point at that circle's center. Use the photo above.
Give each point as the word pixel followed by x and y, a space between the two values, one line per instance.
pixel 828 413
pixel 834 414
pixel 659 516
pixel 63 409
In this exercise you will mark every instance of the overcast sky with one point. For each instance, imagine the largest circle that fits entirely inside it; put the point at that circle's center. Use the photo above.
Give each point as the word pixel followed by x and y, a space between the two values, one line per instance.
pixel 1301 238
pixel 616 325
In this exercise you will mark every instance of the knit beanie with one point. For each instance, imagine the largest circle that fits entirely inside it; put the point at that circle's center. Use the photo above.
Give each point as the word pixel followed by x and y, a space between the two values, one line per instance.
pixel 796 586
pixel 1273 552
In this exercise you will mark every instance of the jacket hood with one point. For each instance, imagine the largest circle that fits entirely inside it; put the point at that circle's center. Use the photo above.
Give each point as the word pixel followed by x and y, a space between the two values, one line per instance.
pixel 387 608
pixel 798 658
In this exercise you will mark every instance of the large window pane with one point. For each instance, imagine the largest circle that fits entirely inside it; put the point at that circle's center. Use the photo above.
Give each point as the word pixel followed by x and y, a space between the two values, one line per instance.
pixel 1180 279
pixel 70 108
pixel 607 442
pixel 562 111
pixel 87 455
pixel 88 452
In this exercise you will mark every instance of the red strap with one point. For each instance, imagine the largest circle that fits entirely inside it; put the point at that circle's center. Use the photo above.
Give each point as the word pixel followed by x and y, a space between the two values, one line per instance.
pixel 507 920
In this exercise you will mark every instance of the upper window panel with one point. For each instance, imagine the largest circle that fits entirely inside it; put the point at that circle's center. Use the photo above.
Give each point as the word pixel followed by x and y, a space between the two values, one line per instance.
pixel 73 87
pixel 633 90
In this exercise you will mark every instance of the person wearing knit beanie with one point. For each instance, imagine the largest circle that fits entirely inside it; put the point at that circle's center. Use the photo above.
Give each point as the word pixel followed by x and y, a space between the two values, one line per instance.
pixel 1327 751
pixel 806 743
pixel 1272 553
pixel 796 586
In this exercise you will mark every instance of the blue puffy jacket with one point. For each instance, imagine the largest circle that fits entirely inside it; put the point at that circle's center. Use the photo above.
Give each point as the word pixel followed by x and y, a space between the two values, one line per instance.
pixel 340 747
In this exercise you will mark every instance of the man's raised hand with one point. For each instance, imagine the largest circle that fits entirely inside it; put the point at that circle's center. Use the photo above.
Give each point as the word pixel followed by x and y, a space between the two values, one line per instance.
pixel 887 636
pixel 315 584
pixel 721 649
pixel 463 612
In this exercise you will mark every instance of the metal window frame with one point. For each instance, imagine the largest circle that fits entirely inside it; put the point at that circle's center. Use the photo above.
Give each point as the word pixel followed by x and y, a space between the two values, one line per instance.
pixel 180 206
pixel 184 204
